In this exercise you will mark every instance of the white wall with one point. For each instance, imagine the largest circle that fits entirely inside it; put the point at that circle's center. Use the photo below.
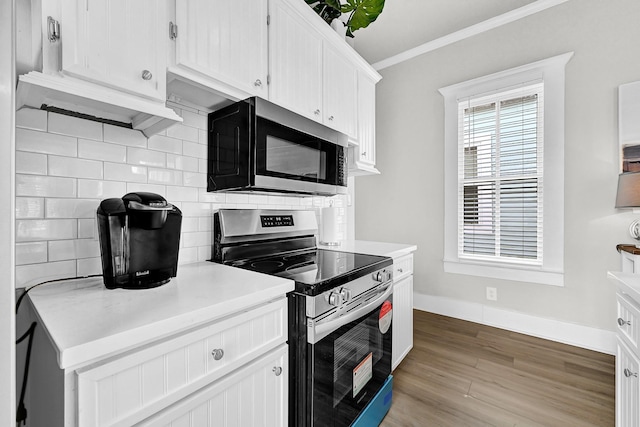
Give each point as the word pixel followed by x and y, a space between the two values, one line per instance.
pixel 405 202
pixel 7 318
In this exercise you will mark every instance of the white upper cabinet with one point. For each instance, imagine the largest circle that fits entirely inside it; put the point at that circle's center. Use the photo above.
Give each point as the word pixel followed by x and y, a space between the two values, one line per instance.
pixel 116 43
pixel 105 58
pixel 308 74
pixel 295 51
pixel 362 158
pixel 223 44
pixel 340 86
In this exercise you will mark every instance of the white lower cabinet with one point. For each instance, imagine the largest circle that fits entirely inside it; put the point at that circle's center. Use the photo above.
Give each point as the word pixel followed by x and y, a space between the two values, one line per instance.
pixel 627 387
pixel 255 395
pixel 224 371
pixel 402 309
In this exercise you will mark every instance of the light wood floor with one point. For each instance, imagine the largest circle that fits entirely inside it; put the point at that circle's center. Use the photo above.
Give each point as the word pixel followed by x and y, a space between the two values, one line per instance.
pixel 465 374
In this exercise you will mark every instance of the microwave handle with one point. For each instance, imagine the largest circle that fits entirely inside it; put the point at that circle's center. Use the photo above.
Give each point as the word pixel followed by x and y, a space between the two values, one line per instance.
pixel 318 330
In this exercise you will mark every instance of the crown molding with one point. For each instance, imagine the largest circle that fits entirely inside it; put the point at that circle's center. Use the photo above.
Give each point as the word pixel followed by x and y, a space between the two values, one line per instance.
pixel 473 30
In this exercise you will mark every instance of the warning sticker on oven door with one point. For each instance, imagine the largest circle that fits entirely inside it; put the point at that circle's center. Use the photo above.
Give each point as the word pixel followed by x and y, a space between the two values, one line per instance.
pixel 362 374
pixel 386 313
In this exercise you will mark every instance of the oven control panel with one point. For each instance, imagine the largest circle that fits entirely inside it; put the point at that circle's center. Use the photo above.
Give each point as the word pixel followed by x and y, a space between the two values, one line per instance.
pixel 269 221
pixel 340 297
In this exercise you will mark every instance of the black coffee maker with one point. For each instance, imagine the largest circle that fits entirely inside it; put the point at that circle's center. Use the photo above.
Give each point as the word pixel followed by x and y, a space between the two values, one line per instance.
pixel 139 240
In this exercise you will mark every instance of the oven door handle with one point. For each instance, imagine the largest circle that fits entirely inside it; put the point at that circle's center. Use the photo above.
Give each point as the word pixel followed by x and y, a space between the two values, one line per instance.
pixel 318 330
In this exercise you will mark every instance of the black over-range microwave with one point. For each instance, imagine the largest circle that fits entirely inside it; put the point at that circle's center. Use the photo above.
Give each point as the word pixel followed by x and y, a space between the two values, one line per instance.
pixel 255 145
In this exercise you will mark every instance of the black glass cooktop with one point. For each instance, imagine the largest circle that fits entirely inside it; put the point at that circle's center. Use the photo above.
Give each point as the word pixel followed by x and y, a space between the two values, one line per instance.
pixel 316 270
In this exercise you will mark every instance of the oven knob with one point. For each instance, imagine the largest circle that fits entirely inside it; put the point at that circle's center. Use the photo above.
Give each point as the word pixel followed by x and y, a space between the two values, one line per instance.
pixel 334 299
pixel 345 293
pixel 378 277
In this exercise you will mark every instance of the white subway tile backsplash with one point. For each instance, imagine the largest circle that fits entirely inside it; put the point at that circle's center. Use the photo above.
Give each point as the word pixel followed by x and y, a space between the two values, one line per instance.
pixel 31 252
pixel 71 208
pixel 133 187
pixel 32 274
pixel 237 198
pixel 189 224
pixel 164 176
pixel 74 126
pixel 46 143
pixel 200 238
pixel 121 172
pixel 166 144
pixel 60 250
pixel 182 163
pixel 194 179
pixel 182 194
pixel 32 163
pixel 124 136
pixel 31 118
pixel 45 186
pixel 29 230
pixel 73 167
pixel 141 156
pixel 95 189
pixel 97 150
pixel 29 207
pixel 61 178
pixel 87 228
pixel 183 132
pixel 89 266
pixel 193 149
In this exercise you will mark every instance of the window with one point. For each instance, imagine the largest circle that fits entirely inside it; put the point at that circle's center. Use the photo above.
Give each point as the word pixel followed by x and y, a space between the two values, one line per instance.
pixel 504 177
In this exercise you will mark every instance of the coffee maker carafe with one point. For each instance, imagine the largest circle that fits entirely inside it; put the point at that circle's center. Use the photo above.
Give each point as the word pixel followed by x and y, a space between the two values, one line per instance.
pixel 139 240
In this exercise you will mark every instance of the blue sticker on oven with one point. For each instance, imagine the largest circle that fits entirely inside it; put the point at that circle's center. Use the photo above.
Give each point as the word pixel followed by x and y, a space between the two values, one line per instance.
pixel 384 319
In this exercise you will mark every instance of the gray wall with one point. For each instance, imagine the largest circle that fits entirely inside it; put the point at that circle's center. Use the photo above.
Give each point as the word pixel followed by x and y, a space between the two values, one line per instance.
pixel 405 202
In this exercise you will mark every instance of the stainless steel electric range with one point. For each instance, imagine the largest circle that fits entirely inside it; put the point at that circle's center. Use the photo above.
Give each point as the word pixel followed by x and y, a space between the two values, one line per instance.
pixel 339 313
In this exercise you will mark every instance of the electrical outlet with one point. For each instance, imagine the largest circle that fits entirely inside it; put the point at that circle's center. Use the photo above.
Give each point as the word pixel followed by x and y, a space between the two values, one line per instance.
pixel 492 294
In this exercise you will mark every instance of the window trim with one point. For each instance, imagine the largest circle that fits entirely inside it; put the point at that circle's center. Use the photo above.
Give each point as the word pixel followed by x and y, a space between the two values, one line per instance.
pixel 552 73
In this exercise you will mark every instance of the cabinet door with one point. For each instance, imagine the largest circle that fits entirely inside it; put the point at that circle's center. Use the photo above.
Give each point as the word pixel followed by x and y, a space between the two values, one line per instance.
pixel 402 320
pixel 366 120
pixel 627 387
pixel 256 395
pixel 295 54
pixel 116 43
pixel 340 92
pixel 225 40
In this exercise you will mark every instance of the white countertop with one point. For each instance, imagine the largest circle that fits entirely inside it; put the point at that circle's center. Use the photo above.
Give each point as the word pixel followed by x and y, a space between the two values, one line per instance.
pixel 393 250
pixel 86 321
pixel 629 283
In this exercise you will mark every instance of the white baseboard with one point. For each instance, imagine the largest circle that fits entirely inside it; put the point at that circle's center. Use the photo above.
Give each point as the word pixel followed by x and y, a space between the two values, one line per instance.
pixel 554 330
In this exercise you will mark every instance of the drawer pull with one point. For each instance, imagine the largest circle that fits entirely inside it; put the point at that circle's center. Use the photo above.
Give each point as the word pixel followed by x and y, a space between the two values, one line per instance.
pixel 628 373
pixel 277 370
pixel 146 75
pixel 623 322
pixel 400 270
pixel 217 353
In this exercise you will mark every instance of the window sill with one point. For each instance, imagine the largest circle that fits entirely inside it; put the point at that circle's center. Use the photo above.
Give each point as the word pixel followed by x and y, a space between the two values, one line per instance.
pixel 506 272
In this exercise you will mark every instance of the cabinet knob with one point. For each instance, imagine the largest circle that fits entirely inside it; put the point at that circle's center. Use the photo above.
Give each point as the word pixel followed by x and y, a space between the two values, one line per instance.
pixel 146 75
pixel 317 112
pixel 623 322
pixel 364 153
pixel 400 270
pixel 217 353
pixel 330 117
pixel 258 83
pixel 628 373
pixel 277 370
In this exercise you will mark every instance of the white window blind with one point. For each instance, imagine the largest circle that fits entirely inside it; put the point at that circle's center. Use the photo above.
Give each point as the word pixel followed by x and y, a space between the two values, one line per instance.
pixel 500 171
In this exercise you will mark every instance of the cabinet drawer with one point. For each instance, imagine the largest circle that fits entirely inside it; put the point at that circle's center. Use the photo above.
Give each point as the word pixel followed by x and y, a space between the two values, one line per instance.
pixel 255 395
pixel 628 320
pixel 402 267
pixel 131 388
pixel 627 387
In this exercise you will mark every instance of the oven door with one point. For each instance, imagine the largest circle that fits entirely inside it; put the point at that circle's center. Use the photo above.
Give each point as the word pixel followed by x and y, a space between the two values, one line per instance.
pixel 350 364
